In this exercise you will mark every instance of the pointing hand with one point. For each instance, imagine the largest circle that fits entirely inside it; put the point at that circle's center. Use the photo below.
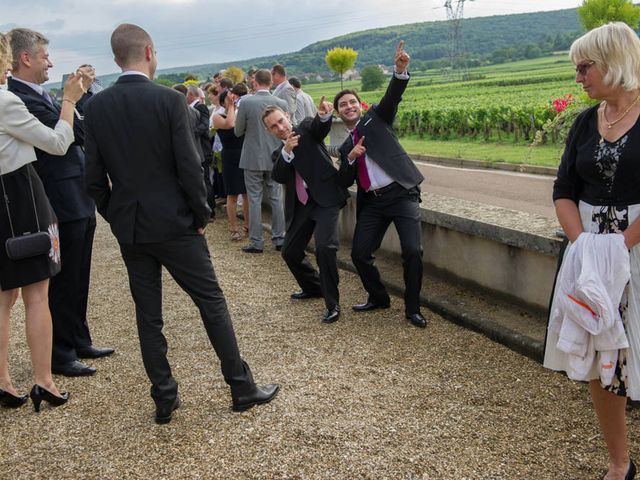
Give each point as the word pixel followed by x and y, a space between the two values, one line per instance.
pixel 292 142
pixel 358 150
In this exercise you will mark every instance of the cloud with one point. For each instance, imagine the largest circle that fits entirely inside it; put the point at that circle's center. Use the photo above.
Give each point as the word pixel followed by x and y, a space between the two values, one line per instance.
pixel 190 32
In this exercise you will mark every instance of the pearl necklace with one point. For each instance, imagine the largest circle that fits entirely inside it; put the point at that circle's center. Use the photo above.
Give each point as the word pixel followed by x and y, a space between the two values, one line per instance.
pixel 624 114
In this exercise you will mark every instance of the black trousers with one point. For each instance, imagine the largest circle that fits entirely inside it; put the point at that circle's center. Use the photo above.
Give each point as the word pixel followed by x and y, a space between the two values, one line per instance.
pixel 188 261
pixel 69 290
pixel 375 214
pixel 322 223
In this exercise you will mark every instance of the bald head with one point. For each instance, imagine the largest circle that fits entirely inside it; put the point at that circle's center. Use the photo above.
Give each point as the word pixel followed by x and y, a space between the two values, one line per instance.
pixel 129 45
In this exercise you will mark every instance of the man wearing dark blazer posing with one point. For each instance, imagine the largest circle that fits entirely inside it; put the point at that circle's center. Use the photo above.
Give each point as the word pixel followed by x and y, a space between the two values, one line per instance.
pixel 145 175
pixel 313 199
pixel 63 180
pixel 388 190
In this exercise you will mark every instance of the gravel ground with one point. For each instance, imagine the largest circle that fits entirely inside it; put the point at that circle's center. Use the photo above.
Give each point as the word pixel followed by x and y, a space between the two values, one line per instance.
pixel 367 397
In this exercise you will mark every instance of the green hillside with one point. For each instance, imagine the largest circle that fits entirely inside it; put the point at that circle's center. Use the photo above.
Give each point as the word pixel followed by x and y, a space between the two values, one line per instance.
pixel 530 33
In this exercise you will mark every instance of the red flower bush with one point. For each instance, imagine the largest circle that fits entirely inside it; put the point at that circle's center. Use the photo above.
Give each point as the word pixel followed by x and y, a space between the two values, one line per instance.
pixel 559 104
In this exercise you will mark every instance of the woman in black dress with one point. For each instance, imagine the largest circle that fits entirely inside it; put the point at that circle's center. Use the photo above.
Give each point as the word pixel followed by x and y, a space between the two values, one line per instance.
pixel 598 191
pixel 27 208
pixel 232 174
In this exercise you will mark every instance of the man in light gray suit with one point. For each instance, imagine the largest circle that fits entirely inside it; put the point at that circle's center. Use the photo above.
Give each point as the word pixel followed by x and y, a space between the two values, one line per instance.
pixel 257 164
pixel 284 90
pixel 304 103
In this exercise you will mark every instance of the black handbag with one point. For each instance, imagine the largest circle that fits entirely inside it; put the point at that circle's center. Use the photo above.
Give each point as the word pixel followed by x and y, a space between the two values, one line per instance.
pixel 29 244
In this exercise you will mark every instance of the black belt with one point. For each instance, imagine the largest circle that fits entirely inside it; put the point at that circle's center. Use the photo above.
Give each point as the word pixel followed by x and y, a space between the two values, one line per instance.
pixel 378 192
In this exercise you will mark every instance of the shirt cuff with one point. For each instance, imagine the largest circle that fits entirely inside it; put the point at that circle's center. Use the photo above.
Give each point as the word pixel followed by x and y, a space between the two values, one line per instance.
pixel 288 157
pixel 325 117
pixel 401 76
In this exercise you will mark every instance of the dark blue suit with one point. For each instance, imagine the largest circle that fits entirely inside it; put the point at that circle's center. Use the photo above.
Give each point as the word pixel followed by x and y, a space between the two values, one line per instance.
pixel 63 180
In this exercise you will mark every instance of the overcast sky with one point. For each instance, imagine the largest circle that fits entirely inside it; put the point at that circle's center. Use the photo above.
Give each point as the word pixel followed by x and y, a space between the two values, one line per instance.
pixel 191 32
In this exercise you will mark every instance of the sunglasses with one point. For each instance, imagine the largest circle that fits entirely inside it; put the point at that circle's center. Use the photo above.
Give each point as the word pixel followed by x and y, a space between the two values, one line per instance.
pixel 583 68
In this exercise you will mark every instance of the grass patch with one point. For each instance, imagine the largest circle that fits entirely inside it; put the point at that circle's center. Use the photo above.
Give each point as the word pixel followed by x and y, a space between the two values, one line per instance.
pixel 468 149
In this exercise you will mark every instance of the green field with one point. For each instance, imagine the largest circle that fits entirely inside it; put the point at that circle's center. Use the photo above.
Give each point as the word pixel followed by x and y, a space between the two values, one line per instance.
pixel 493 117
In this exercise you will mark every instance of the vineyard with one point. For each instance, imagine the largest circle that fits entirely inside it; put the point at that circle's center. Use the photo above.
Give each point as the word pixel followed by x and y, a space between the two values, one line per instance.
pixel 507 102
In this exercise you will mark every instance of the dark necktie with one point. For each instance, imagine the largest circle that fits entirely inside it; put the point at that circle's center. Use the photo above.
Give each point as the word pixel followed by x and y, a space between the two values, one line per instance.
pixel 361 165
pixel 47 97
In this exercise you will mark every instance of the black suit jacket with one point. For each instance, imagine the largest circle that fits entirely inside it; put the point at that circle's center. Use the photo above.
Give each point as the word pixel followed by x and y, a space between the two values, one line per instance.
pixel 314 165
pixel 62 176
pixel 381 142
pixel 143 169
pixel 203 132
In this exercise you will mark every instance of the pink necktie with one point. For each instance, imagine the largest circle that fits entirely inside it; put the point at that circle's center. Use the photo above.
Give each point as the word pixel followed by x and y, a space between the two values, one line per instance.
pixel 361 165
pixel 303 196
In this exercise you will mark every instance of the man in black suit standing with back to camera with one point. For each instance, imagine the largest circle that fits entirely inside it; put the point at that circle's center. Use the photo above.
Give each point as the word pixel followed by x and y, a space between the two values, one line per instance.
pixel 388 190
pixel 313 199
pixel 145 175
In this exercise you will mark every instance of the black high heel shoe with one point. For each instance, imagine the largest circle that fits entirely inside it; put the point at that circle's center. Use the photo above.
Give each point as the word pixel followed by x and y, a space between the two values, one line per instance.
pixel 11 401
pixel 38 394
pixel 631 473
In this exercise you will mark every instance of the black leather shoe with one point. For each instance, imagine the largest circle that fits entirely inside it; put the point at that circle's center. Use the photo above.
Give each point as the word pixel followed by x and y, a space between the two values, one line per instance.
pixel 259 395
pixel 163 414
pixel 302 295
pixel 10 401
pixel 73 369
pixel 94 352
pixel 251 249
pixel 331 315
pixel 417 319
pixel 278 248
pixel 368 306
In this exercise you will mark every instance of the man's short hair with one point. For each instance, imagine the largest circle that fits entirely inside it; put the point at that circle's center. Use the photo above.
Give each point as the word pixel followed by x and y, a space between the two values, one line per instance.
pixel 295 82
pixel 263 77
pixel 240 89
pixel 279 69
pixel 128 42
pixel 5 52
pixel 269 110
pixel 342 93
pixel 181 88
pixel 252 72
pixel 226 82
pixel 193 90
pixel 25 40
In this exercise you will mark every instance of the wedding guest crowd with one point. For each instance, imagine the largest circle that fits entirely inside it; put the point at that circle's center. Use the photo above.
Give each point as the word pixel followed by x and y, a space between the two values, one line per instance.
pixel 58 163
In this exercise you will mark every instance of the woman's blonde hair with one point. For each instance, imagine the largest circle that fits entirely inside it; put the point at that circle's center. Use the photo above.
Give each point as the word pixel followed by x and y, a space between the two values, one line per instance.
pixel 615 49
pixel 5 52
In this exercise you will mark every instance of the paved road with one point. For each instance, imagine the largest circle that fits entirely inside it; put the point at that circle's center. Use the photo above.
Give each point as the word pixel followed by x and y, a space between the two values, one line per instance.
pixel 517 191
